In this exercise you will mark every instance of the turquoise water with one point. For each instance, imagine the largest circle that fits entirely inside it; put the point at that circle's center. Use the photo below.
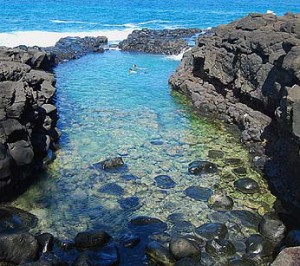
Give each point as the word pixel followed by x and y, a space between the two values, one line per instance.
pixel 105 112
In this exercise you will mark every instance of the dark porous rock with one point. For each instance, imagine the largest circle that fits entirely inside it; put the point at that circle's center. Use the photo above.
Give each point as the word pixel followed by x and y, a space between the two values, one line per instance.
pixel 158 41
pixel 240 171
pixel 112 163
pixel 288 257
pixel 69 48
pixel 105 256
pixel 160 254
pixel 18 247
pixel 220 202
pixel 46 242
pixel 164 181
pixel 258 245
pixel 21 151
pixel 146 224
pixel 92 239
pixel 198 193
pixel 145 220
pixel 14 219
pixel 220 248
pixel 112 189
pixel 130 203
pixel 272 227
pixel 188 262
pixel 246 218
pixel 202 168
pixel 129 240
pixel 246 185
pixel 182 247
pixel 215 154
pixel 25 85
pixel 210 231
pixel 292 239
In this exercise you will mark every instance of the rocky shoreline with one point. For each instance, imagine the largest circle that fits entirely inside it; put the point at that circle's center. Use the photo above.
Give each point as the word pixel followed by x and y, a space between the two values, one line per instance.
pixel 238 73
pixel 247 73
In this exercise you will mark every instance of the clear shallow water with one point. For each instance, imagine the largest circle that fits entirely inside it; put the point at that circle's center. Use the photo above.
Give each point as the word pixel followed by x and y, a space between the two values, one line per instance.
pixel 44 22
pixel 105 112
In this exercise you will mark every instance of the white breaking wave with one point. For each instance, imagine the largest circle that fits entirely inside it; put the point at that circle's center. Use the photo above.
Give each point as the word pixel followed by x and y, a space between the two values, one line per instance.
pixel 68 21
pixel 154 21
pixel 271 12
pixel 179 56
pixel 45 38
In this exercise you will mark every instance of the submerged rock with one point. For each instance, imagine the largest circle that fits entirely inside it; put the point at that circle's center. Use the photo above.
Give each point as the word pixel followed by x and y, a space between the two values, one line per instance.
pixel 220 202
pixel 246 218
pixel 112 163
pixel 160 254
pixel 258 245
pixel 91 239
pixel 13 219
pixel 130 203
pixel 240 171
pixel 272 228
pixel 210 231
pixel 202 168
pixel 129 240
pixel 112 189
pixel 198 193
pixel 215 154
pixel 247 185
pixel 182 247
pixel 188 262
pixel 18 247
pixel 164 181
pixel 220 248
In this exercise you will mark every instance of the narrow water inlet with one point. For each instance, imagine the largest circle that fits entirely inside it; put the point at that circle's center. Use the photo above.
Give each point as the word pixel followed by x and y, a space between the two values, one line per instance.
pixel 107 111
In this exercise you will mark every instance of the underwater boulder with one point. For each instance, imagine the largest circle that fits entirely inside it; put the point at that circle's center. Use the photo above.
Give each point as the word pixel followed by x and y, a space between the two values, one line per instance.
pixel 272 227
pixel 181 247
pixel 202 168
pixel 210 231
pixel 91 239
pixel 112 163
pixel 220 202
pixel 18 247
pixel 164 182
pixel 198 193
pixel 160 254
pixel 246 185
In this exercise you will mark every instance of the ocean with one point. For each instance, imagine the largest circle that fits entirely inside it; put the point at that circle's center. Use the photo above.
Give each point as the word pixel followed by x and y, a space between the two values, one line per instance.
pixel 105 112
pixel 44 22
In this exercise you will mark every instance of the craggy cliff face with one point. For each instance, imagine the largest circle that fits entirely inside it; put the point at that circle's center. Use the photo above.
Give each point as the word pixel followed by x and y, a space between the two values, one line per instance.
pixel 248 72
pixel 27 119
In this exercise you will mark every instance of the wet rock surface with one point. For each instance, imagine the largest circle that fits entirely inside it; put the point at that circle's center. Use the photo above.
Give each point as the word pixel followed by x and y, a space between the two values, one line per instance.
pixel 241 75
pixel 247 185
pixel 167 42
pixel 26 128
pixel 202 168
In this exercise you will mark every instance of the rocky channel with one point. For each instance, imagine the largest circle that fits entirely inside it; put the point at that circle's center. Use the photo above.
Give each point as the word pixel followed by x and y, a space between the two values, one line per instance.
pixel 246 73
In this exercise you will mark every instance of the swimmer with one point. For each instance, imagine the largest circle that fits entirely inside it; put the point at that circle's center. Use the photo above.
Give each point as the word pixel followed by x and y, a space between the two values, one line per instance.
pixel 131 71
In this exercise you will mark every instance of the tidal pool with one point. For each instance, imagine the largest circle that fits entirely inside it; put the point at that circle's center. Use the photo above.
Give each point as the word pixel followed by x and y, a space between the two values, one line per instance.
pixel 105 112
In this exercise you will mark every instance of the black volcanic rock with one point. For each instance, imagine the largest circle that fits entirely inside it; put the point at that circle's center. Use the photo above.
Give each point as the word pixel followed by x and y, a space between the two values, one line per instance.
pixel 167 42
pixel 247 73
pixel 69 48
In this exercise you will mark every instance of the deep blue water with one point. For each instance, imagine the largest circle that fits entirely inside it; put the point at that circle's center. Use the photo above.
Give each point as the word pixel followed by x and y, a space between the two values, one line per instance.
pixel 94 16
pixel 77 15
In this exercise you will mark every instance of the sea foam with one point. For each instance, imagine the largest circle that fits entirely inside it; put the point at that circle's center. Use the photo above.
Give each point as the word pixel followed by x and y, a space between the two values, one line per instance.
pixel 45 38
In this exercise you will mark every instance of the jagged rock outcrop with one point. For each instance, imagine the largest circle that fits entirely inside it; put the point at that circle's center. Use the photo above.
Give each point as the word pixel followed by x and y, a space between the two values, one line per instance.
pixel 26 88
pixel 69 48
pixel 168 42
pixel 248 73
